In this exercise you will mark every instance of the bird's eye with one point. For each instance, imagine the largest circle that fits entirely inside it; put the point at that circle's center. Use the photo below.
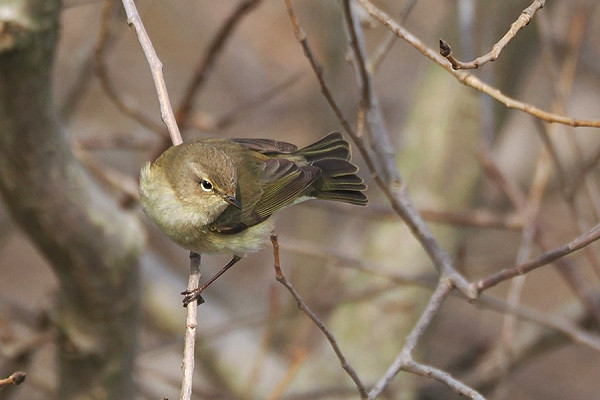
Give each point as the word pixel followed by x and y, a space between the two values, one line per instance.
pixel 207 186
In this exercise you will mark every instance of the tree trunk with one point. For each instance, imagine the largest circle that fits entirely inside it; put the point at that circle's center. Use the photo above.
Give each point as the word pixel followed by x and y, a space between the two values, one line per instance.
pixel 92 245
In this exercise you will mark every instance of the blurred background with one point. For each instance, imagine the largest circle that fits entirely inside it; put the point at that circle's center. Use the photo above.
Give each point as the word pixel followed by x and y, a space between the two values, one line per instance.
pixel 358 268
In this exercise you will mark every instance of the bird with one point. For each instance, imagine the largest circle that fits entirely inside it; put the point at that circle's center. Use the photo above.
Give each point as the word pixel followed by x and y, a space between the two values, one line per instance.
pixel 218 195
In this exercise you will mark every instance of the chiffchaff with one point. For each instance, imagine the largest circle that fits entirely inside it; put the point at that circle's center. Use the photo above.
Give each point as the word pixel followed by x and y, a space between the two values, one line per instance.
pixel 217 195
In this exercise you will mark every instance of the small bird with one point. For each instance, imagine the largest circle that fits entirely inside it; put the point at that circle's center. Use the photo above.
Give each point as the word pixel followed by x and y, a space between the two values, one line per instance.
pixel 217 195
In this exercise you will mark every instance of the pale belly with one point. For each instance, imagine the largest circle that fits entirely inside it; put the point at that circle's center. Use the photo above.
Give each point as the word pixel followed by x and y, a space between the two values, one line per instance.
pixel 247 241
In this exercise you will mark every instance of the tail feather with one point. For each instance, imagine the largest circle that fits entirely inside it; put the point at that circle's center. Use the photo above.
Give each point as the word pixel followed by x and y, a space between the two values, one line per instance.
pixel 332 167
pixel 344 196
pixel 331 146
pixel 338 181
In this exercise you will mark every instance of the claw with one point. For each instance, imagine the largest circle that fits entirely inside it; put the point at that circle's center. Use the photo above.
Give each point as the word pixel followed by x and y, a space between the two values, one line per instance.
pixel 191 295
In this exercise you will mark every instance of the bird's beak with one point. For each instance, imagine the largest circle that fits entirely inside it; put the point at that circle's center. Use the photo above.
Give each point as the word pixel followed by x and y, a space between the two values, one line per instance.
pixel 233 201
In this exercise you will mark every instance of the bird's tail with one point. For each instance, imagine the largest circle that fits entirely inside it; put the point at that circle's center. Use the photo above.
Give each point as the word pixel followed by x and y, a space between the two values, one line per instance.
pixel 338 180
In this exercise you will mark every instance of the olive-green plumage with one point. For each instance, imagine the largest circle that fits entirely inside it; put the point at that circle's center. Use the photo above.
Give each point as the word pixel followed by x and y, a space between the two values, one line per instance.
pixel 216 195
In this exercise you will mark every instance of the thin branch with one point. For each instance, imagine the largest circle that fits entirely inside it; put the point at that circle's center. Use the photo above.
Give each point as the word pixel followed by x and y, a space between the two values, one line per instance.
pixel 385 172
pixel 391 183
pixel 404 360
pixel 564 266
pixel 524 19
pixel 471 80
pixel 305 309
pixel 443 377
pixel 166 112
pixel 190 331
pixel 544 259
pixel 16 378
pixel 438 297
pixel 210 58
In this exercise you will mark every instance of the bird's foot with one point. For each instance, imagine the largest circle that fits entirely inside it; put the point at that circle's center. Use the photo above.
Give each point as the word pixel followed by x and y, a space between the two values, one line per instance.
pixel 191 295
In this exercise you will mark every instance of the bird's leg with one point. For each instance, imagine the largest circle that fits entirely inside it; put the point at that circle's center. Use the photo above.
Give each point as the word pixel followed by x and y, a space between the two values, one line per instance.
pixel 191 295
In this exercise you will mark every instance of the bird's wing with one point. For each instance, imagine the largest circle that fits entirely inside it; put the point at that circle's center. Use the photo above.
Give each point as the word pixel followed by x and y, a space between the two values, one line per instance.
pixel 266 146
pixel 275 184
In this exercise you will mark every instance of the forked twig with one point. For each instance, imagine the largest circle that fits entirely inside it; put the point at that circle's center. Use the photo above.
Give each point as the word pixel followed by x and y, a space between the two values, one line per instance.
pixel 524 18
pixel 469 79
pixel 404 360
pixel 384 171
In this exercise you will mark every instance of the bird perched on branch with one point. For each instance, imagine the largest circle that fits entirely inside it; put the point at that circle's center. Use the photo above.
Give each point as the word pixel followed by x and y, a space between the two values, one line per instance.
pixel 217 195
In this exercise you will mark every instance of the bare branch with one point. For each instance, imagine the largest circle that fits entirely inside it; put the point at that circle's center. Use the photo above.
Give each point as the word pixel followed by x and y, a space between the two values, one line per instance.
pixel 544 259
pixel 166 112
pixel 404 360
pixel 16 378
pixel 443 377
pixel 524 19
pixel 302 305
pixel 391 182
pixel 92 245
pixel 471 80
pixel 564 266
pixel 190 331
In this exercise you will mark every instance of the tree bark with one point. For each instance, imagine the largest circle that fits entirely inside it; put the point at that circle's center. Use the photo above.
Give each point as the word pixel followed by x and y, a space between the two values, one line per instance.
pixel 92 245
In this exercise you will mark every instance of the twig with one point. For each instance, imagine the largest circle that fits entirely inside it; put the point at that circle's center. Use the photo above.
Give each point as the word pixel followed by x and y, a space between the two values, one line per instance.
pixel 384 172
pixel 544 259
pixel 166 112
pixel 404 360
pixel 443 377
pixel 210 57
pixel 524 19
pixel 562 83
pixel 564 266
pixel 471 80
pixel 391 182
pixel 16 378
pixel 305 309
pixel 190 331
